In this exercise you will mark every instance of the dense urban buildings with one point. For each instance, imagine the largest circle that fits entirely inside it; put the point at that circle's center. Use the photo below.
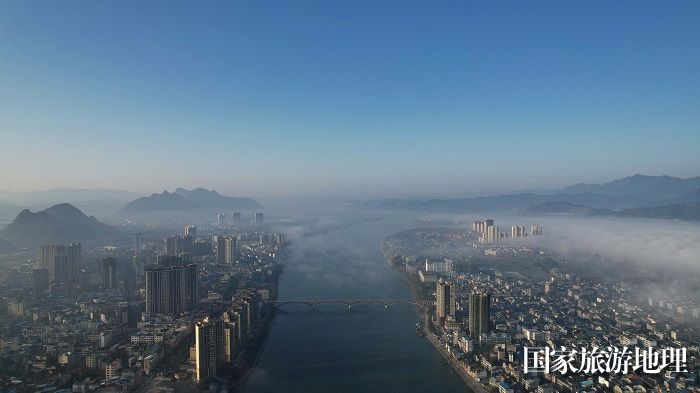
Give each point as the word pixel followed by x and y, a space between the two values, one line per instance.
pixel 122 314
pixel 349 196
pixel 499 311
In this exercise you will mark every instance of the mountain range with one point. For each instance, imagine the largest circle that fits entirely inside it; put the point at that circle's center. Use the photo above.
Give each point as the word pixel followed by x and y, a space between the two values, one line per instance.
pixel 182 199
pixel 653 187
pixel 61 223
pixel 633 196
pixel 687 212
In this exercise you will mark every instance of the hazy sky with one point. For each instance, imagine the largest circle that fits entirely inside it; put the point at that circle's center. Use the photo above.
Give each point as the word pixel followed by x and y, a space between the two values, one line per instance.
pixel 374 98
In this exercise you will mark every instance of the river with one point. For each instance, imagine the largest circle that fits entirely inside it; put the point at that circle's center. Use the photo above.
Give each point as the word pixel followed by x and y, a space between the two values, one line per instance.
pixel 333 349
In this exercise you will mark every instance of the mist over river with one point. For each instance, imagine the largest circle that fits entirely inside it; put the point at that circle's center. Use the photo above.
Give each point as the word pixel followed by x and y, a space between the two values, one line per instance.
pixel 333 349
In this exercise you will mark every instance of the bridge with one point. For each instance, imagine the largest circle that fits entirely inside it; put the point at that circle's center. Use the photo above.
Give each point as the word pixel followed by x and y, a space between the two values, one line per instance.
pixel 313 303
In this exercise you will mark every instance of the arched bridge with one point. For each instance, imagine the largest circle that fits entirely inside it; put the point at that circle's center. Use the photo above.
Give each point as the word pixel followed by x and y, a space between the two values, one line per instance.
pixel 313 303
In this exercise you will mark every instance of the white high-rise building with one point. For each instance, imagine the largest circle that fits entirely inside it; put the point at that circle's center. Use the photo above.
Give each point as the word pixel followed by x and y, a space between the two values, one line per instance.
pixel 230 253
pixel 517 231
pixel 210 352
pixel 492 235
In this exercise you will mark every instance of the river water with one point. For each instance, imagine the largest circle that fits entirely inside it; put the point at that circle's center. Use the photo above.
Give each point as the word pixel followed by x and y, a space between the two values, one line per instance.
pixel 333 349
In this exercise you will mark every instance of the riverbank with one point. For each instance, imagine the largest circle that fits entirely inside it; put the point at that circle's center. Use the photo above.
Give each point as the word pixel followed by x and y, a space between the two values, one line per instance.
pixel 473 384
pixel 255 346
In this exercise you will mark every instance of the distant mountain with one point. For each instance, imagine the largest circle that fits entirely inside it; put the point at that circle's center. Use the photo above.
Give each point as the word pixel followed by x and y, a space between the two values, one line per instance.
pixel 60 223
pixel 164 201
pixel 657 187
pixel 558 207
pixel 689 212
pixel 183 199
pixel 629 192
pixel 669 212
pixel 511 202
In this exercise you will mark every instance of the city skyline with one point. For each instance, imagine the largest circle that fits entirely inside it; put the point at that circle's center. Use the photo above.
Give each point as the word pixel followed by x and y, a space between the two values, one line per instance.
pixel 355 99
pixel 349 196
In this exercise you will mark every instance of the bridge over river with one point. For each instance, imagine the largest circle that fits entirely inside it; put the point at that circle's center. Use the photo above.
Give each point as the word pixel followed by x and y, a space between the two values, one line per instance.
pixel 313 303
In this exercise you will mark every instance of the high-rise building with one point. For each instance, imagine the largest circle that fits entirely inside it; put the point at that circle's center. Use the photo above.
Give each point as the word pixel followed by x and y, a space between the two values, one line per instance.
pixel 61 269
pixel 62 262
pixel 230 254
pixel 221 220
pixel 259 219
pixel 190 237
pixel 517 231
pixel 535 230
pixel 481 226
pixel 220 249
pixel 217 340
pixel 492 234
pixel 109 273
pixel 171 289
pixel 75 260
pixel 174 245
pixel 226 249
pixel 479 314
pixel 446 299
pixel 209 346
pixel 230 339
pixel 236 219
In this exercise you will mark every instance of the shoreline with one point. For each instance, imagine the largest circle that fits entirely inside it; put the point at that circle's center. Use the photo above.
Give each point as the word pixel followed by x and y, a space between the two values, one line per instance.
pixel 269 321
pixel 240 380
pixel 473 384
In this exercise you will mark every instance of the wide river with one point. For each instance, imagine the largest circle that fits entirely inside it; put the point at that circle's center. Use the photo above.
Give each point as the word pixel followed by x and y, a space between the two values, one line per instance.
pixel 333 349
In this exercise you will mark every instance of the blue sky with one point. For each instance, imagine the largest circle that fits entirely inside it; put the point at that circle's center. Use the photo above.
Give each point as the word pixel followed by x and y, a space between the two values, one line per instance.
pixel 346 98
